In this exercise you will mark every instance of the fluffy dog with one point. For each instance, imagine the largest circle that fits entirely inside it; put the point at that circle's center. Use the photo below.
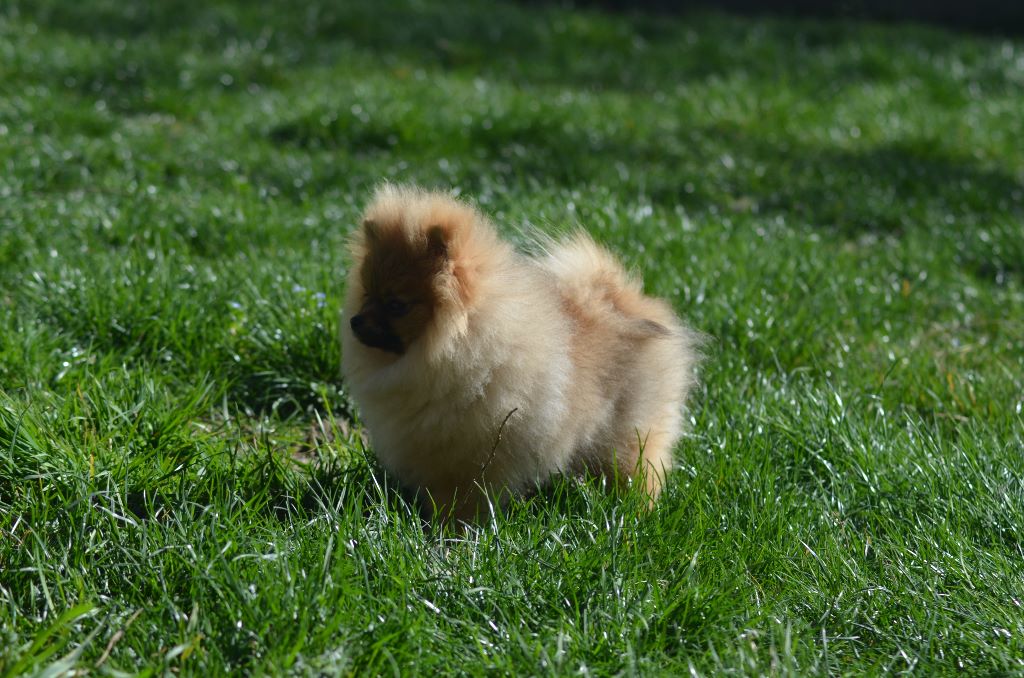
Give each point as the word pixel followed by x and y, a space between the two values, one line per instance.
pixel 480 371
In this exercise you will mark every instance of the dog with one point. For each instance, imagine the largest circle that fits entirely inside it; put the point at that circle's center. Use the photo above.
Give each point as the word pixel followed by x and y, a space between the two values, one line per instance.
pixel 480 372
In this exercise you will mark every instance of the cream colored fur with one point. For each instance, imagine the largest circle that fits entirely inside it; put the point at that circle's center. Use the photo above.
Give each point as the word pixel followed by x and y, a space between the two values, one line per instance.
pixel 540 366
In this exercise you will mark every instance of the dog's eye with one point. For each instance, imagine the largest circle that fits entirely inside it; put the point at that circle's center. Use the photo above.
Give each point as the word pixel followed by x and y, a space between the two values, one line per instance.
pixel 396 308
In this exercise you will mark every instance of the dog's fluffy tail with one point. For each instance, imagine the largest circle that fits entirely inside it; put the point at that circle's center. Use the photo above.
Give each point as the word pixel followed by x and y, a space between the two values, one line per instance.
pixel 592 280
pixel 632 350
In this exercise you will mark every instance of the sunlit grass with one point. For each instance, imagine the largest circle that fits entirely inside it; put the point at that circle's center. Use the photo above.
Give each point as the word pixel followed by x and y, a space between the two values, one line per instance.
pixel 183 481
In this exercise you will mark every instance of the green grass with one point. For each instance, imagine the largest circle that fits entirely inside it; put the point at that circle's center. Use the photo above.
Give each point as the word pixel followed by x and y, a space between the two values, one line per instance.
pixel 182 483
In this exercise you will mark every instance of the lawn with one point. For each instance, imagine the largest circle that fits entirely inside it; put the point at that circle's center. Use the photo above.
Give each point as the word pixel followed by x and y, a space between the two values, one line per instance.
pixel 183 485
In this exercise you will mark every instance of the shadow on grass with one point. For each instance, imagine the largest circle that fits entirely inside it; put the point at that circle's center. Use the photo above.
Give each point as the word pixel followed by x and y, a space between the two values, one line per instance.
pixel 541 44
pixel 881 189
pixel 266 483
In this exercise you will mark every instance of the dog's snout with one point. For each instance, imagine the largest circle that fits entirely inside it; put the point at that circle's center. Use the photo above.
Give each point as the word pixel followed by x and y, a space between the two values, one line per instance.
pixel 373 333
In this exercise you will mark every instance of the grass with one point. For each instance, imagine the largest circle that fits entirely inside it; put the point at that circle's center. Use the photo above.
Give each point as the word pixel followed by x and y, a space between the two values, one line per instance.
pixel 182 482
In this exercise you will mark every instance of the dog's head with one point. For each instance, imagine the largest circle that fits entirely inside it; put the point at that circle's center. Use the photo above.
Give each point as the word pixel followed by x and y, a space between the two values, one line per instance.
pixel 416 261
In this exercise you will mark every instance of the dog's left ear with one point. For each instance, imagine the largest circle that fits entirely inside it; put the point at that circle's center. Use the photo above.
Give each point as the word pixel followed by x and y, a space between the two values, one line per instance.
pixel 437 241
pixel 371 230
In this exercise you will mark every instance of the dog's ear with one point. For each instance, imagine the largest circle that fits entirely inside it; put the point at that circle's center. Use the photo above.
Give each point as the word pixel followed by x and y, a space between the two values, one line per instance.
pixel 437 241
pixel 371 231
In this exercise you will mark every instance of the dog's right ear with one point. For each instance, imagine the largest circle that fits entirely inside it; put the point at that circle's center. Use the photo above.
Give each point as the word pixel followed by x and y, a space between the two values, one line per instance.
pixel 437 241
pixel 371 231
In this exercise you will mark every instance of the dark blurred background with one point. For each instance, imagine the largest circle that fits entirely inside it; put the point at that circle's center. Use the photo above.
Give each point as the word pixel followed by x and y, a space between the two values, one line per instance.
pixel 981 15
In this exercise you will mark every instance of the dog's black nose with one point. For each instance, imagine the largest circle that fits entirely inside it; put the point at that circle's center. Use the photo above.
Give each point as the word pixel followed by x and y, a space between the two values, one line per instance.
pixel 357 322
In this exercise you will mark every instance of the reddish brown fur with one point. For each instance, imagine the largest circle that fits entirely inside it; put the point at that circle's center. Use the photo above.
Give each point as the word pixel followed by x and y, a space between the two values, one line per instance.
pixel 394 268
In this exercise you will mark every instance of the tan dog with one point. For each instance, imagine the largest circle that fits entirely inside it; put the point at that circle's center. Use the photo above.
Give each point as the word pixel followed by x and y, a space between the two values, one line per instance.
pixel 481 372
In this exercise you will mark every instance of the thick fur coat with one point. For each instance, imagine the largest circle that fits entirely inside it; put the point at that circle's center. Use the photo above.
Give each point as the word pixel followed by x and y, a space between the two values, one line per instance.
pixel 480 372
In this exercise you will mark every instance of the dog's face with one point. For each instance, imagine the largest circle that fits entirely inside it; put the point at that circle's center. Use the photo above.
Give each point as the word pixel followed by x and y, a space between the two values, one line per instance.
pixel 399 275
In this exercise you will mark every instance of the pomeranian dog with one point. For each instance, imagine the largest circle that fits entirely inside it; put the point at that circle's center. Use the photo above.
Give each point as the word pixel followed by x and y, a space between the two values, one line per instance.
pixel 480 371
